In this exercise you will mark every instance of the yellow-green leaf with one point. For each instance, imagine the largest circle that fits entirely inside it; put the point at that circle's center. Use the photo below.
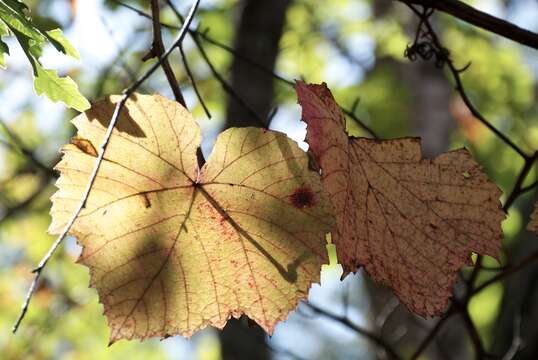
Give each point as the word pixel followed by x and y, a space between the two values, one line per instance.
pixel 173 248
pixel 62 44
pixel 57 88
pixel 4 49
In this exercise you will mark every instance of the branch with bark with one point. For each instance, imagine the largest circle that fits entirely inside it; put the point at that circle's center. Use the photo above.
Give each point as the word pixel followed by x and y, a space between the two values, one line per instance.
pixel 480 19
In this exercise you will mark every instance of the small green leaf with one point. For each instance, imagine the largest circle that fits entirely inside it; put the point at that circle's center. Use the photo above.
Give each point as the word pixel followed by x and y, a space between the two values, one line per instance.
pixel 60 42
pixel 4 49
pixel 32 40
pixel 57 88
pixel 18 22
pixel 4 30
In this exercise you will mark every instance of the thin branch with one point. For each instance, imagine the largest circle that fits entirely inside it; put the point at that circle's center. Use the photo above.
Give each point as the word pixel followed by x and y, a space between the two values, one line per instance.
pixel 518 186
pixel 481 19
pixel 432 47
pixel 224 84
pixel 510 271
pixel 119 107
pixel 204 36
pixel 350 113
pixel 17 145
pixel 175 10
pixel 157 49
pixel 13 210
pixel 433 333
pixel 376 339
pixel 529 187
pixel 193 81
pixel 480 353
pixel 120 50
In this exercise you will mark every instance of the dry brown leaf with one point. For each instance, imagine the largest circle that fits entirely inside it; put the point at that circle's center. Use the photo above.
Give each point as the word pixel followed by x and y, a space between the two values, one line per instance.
pixel 411 222
pixel 171 248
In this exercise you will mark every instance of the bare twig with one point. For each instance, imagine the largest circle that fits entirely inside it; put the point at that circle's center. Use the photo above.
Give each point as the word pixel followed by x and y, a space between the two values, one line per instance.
pixel 13 210
pixel 529 187
pixel 509 271
pixel 119 107
pixel 193 81
pixel 480 353
pixel 433 333
pixel 120 50
pixel 17 145
pixel 224 84
pixel 432 47
pixel 157 49
pixel 204 35
pixel 518 186
pixel 376 339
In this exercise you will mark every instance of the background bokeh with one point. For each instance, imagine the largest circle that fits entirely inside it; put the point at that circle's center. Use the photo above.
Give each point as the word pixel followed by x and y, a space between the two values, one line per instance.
pixel 357 47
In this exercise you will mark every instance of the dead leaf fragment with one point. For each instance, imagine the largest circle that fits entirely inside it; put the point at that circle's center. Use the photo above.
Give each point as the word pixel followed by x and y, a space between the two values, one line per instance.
pixel 411 222
pixel 173 248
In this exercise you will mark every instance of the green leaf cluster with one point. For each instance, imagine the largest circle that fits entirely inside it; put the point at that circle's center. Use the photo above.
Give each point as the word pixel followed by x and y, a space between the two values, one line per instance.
pixel 14 20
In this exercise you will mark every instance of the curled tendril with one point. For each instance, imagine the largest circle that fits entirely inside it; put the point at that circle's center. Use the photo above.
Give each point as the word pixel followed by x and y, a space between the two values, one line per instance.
pixel 426 50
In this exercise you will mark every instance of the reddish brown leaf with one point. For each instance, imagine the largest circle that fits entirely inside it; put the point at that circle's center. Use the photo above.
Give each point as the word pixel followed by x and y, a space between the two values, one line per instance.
pixel 411 222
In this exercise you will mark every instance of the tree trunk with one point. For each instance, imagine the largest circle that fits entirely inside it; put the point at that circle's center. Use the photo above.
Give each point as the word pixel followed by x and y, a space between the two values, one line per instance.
pixel 257 38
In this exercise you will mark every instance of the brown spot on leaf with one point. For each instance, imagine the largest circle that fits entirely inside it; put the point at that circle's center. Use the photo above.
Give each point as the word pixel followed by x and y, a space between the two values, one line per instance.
pixel 84 145
pixel 303 197
pixel 145 198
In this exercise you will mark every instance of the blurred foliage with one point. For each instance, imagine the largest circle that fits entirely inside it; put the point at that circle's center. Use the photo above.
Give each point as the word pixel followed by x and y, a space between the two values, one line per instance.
pixel 359 55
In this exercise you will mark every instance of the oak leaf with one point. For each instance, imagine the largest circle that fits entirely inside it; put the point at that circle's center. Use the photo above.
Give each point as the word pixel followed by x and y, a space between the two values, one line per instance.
pixel 172 248
pixel 411 222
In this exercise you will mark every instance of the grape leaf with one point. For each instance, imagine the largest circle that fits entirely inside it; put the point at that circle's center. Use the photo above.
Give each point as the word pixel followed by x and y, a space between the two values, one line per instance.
pixel 411 222
pixel 172 248
pixel 533 223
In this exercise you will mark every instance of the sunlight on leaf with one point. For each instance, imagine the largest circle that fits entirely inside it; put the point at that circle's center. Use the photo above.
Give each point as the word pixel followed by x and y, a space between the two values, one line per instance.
pixel 61 43
pixel 173 248
pixel 57 88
